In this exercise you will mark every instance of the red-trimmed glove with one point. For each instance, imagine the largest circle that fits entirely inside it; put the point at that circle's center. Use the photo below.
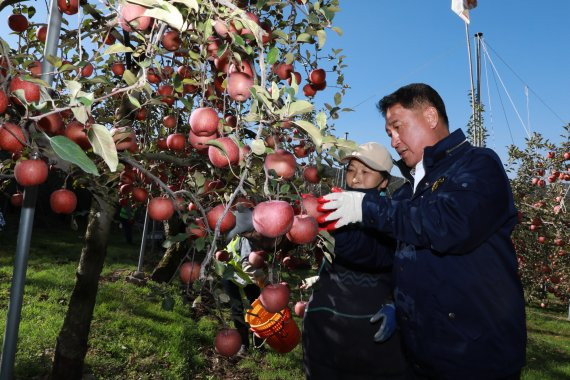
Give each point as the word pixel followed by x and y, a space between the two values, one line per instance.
pixel 345 208
pixel 323 224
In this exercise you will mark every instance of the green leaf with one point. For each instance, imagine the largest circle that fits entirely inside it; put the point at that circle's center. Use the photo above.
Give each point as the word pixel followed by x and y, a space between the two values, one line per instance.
pixel 74 88
pixel 337 30
pixel 71 152
pixel 313 131
pixel 273 55
pixel 191 4
pixel 199 178
pixel 337 98
pixel 103 145
pixel 134 101
pixel 274 91
pixel 300 107
pixel 171 240
pixel 258 147
pixel 169 14
pixel 80 114
pixel 304 37
pixel 322 36
pixel 117 48
pixel 289 58
pixel 321 120
pixel 129 77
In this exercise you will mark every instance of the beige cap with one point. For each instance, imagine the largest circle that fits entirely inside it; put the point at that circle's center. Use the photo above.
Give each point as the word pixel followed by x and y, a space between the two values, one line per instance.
pixel 373 155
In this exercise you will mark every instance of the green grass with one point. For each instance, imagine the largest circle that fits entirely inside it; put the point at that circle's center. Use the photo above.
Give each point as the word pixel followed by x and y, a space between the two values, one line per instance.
pixel 134 337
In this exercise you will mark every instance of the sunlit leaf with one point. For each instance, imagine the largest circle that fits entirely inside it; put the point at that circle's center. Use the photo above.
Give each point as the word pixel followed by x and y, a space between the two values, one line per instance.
pixel 321 120
pixel 258 147
pixel 313 131
pixel 300 107
pixel 117 48
pixel 273 55
pixel 191 4
pixel 304 37
pixel 129 77
pixel 71 152
pixel 322 36
pixel 337 30
pixel 103 145
pixel 80 114
pixel 134 101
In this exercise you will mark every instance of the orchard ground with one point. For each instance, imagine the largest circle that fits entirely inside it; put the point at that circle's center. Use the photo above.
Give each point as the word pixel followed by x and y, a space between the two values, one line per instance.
pixel 153 332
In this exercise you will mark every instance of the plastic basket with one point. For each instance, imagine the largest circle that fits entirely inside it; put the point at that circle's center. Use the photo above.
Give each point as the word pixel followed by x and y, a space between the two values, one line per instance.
pixel 278 329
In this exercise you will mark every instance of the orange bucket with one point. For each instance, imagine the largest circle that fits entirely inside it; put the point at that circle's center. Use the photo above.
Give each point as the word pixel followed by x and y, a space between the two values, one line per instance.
pixel 278 329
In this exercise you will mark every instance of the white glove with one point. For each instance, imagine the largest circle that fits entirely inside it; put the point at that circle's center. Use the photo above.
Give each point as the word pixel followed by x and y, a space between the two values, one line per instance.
pixel 347 206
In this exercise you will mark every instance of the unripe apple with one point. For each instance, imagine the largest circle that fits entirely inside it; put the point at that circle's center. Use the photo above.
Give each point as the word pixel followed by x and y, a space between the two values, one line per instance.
pixel 63 201
pixel 31 172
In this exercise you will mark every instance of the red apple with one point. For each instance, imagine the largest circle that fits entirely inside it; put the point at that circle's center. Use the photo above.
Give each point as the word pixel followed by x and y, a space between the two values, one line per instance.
pixel 541 240
pixel 123 137
pixel 199 142
pixel 223 255
pixel 152 76
pixel 227 342
pixel 297 78
pixel 52 124
pixel 318 76
pixel 221 28
pixel 215 214
pixel 304 229
pixel 140 195
pixel 309 90
pixel 18 23
pixel 559 242
pixel 282 162
pixel 204 121
pixel 160 208
pixel 273 218
pixel 189 272
pixel 239 86
pixel 257 259
pixel 550 155
pixel 169 121
pixel 171 40
pixel 274 297
pixel 300 307
pixel 30 172
pixel 41 33
pixel 243 67
pixel 283 70
pixel 311 174
pixel 69 7
pixel 76 132
pixel 310 204
pixel 3 101
pixel 199 231
pixel 118 68
pixel 567 156
pixel 12 138
pixel 87 70
pixel 131 15
pixel 176 142
pixel 31 90
pixel 63 201
pixel 220 159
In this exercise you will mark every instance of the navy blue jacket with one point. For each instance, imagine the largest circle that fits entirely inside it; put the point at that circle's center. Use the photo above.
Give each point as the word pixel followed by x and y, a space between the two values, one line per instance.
pixel 458 295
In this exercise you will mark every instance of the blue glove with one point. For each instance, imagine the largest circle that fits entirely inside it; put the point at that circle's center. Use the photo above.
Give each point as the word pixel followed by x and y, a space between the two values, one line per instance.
pixel 387 316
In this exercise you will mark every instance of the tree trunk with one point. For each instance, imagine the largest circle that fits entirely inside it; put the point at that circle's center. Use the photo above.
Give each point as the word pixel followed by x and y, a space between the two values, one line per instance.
pixel 71 346
pixel 169 262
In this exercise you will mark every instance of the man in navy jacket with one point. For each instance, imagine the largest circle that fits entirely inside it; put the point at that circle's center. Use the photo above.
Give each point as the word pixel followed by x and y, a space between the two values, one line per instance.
pixel 458 296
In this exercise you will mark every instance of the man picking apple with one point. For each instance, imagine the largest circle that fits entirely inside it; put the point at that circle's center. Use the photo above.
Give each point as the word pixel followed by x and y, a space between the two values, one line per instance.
pixel 458 297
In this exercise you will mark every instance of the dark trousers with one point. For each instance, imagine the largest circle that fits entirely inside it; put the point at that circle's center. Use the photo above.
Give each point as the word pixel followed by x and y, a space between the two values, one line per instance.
pixel 251 291
pixel 127 230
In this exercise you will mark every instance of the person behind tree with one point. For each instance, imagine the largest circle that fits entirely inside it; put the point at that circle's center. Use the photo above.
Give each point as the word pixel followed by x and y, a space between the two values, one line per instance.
pixel 349 328
pixel 458 294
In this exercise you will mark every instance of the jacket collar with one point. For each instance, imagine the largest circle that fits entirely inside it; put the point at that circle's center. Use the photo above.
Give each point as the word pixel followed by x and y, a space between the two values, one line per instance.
pixel 435 153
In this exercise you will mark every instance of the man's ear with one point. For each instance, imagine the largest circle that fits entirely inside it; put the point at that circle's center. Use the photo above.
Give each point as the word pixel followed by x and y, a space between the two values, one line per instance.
pixel 431 116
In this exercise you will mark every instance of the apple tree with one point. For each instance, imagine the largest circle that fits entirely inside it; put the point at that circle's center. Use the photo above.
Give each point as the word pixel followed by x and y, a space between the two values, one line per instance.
pixel 189 106
pixel 541 189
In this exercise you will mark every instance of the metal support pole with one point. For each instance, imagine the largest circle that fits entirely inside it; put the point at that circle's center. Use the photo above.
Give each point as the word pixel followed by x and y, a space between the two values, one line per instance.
pixel 9 346
pixel 471 75
pixel 479 123
pixel 140 273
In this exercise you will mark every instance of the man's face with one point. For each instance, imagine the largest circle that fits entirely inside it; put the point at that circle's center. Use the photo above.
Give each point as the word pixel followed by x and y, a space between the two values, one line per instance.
pixel 410 132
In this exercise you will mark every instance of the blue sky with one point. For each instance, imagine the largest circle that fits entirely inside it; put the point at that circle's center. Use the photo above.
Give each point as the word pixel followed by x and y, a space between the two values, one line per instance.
pixel 392 43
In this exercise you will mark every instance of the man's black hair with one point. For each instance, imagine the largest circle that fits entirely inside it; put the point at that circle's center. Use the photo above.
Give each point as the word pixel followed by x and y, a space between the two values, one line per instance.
pixel 413 95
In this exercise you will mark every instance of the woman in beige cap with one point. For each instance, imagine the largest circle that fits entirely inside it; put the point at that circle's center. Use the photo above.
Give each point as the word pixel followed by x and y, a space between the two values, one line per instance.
pixel 349 328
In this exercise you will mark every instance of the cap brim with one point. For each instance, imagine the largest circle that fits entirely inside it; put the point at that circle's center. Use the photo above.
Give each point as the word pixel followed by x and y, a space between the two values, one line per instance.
pixel 365 161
